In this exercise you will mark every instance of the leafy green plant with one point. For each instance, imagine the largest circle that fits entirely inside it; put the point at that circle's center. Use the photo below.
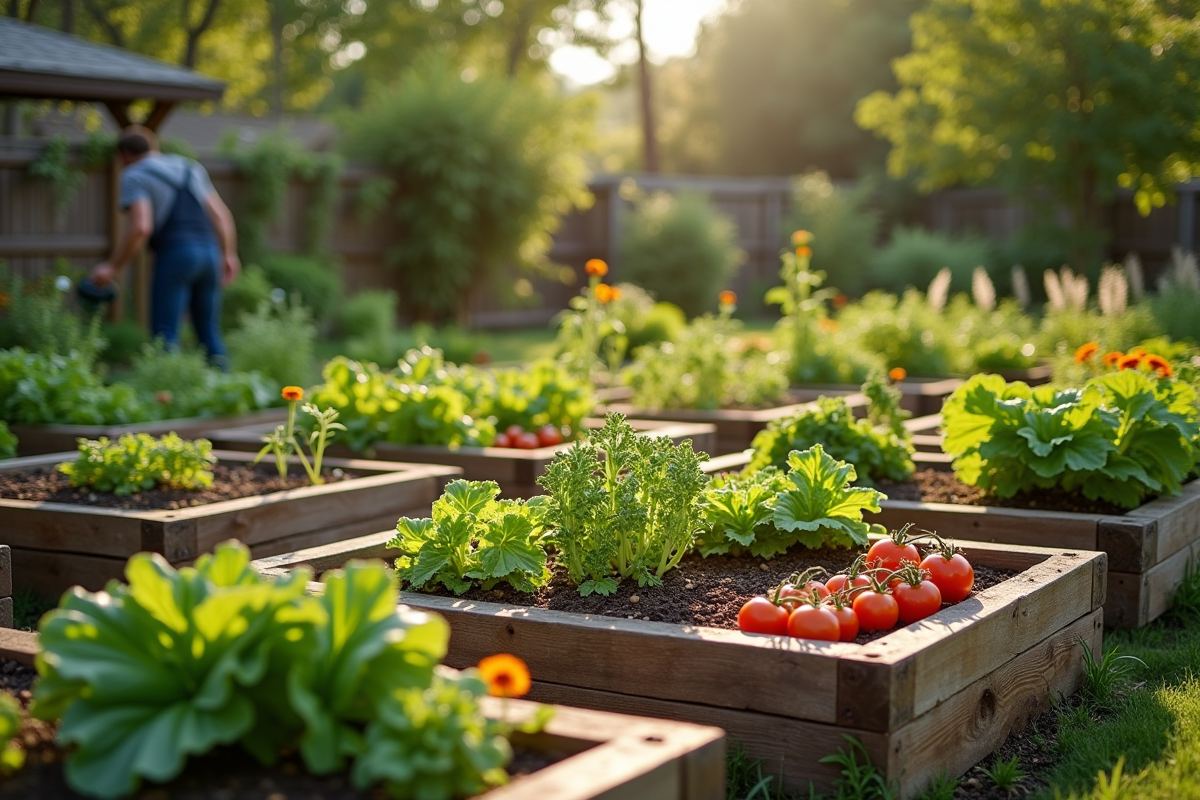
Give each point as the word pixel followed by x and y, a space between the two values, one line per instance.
pixel 1005 774
pixel 12 757
pixel 877 452
pixel 53 165
pixel 843 222
pixel 181 383
pixel 146 675
pixel 8 442
pixel 907 332
pixel 276 340
pixel 1103 677
pixel 473 537
pixel 282 442
pixel 369 314
pixel 37 317
pixel 137 462
pixel 940 788
pixel 768 511
pixel 55 389
pixel 859 779
pixel 1123 436
pixel 248 291
pixel 636 517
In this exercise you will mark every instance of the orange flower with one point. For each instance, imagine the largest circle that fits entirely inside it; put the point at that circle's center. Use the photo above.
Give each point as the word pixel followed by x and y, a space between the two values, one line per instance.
pixel 616 293
pixel 803 251
pixel 1137 351
pixel 897 374
pixel 727 298
pixel 1086 352
pixel 605 293
pixel 1129 362
pixel 828 325
pixel 800 238
pixel 840 301
pixel 1159 365
pixel 163 397
pixel 505 675
pixel 292 393
pixel 597 267
pixel 1111 359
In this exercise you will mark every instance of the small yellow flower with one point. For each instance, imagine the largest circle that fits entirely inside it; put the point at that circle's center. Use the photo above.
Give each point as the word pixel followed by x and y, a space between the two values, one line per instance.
pixel 597 267
pixel 800 238
pixel 505 675
pixel 293 393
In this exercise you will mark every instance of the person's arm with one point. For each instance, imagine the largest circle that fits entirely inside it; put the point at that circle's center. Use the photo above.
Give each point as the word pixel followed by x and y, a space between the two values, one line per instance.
pixel 222 221
pixel 137 233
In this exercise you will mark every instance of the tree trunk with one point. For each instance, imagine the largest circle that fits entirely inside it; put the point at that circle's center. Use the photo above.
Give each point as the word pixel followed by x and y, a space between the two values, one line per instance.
pixel 114 32
pixel 14 9
pixel 194 34
pixel 68 16
pixel 277 57
pixel 31 10
pixel 519 41
pixel 649 141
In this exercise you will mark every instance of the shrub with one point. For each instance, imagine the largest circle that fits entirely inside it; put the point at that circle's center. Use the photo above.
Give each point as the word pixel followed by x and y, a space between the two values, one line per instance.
pixel 664 322
pixel 906 332
pixel 370 314
pixel 318 282
pixel 680 249
pixel 844 229
pixel 123 341
pixel 915 256
pixel 481 173
pixel 276 340
pixel 181 383
pixel 250 290
pixel 37 318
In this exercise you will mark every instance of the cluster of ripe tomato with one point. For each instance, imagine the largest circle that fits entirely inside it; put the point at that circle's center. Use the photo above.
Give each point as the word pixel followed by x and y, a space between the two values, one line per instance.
pixel 891 584
pixel 517 437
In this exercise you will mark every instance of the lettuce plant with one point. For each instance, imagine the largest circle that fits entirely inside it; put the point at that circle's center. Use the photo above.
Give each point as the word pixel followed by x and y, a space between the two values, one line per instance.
pixel 1124 436
pixel 12 757
pixel 768 511
pixel 473 537
pixel 138 462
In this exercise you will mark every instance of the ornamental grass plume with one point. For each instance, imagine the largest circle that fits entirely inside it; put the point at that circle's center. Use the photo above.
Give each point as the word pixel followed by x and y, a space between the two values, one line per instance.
pixel 1020 286
pixel 505 675
pixel 1113 291
pixel 1135 276
pixel 1184 272
pixel 939 290
pixel 983 290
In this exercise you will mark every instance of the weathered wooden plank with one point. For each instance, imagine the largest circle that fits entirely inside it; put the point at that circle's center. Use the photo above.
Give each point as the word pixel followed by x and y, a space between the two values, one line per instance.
pixel 994 524
pixel 331 556
pixel 1177 520
pixel 68 528
pixel 6 587
pixel 927 423
pixel 1149 594
pixel 1131 542
pixel 48 573
pixel 19 646
pixel 6 612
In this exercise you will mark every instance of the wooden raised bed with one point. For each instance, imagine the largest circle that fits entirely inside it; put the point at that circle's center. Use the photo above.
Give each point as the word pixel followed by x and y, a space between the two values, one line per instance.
pixel 935 696
pixel 57 545
pixel 921 396
pixel 516 471
pixel 6 587
pixel 34 440
pixel 612 756
pixel 926 433
pixel 736 428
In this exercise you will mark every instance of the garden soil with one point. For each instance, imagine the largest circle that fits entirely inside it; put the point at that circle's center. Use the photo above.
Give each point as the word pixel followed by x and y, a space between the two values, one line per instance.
pixel 939 486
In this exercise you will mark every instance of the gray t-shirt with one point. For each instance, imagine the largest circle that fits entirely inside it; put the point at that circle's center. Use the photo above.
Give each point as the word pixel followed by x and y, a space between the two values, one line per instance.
pixel 155 177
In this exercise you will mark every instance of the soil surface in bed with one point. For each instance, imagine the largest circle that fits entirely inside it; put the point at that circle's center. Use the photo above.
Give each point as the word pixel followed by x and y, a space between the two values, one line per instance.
pixel 230 482
pixel 940 486
pixel 224 774
pixel 700 591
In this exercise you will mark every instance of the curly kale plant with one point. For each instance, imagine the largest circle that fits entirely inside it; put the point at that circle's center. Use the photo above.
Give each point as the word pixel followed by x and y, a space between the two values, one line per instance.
pixel 472 537
pixel 877 452
pixel 137 462
pixel 623 506
pixel 177 662
pixel 1124 436
pixel 768 511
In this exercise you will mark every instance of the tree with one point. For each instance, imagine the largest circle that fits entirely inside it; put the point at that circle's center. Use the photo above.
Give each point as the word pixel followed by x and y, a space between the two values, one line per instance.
pixel 1072 98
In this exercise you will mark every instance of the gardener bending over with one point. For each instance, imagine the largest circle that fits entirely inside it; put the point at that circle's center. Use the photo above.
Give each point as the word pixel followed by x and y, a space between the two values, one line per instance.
pixel 173 206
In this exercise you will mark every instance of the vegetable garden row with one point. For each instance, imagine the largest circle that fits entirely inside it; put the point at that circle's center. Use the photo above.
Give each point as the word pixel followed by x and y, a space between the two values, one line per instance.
pixel 922 586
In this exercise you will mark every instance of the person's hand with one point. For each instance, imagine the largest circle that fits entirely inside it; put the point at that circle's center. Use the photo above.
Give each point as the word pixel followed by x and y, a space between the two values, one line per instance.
pixel 231 265
pixel 102 274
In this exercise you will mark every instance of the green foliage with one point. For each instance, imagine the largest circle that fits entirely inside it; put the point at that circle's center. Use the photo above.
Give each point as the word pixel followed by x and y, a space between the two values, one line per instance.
pixel 1063 331
pixel 181 383
pixel 680 249
pixel 123 341
pixel 940 788
pixel 138 462
pixel 8 442
pixel 40 390
pixel 700 369
pixel 427 400
pixel 53 165
pixel 768 511
pixel 276 340
pixel 38 319
pixel 317 281
pixel 12 758
pixel 482 172
pixel 456 344
pixel 177 662
pixel 843 226
pixel 1005 774
pixel 473 537
pixel 1124 436
pixel 1175 311
pixel 877 452
pixel 636 517
pixel 905 332
pixel 914 256
pixel 859 780
pixel 1103 677
pixel 369 314
pixel 248 291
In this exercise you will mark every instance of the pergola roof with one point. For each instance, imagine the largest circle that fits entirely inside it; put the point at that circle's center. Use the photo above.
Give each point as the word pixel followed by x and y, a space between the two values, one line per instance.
pixel 37 62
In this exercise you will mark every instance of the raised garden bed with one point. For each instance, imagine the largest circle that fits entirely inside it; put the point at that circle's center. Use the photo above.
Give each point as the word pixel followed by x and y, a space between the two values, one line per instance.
pixel 926 433
pixel 921 396
pixel 595 754
pixel 516 471
pixel 934 696
pixel 6 587
pixel 56 544
pixel 736 428
pixel 34 440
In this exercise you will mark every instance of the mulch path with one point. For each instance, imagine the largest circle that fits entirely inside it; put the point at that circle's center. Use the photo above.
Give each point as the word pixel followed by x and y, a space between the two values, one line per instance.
pixel 700 591
pixel 48 485
pixel 940 486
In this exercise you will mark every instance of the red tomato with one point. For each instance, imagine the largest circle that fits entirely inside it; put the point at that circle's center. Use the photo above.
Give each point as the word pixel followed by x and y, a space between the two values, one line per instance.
pixel 839 582
pixel 549 436
pixel 760 615
pixel 889 555
pixel 847 621
pixel 502 440
pixel 527 441
pixel 876 611
pixel 953 576
pixel 807 590
pixel 814 622
pixel 514 431
pixel 917 602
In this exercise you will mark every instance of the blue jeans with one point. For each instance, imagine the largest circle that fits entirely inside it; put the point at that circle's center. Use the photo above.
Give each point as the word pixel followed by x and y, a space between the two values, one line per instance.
pixel 187 275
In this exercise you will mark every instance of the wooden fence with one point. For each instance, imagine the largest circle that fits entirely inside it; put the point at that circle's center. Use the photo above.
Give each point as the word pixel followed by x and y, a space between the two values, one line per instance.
pixel 35 231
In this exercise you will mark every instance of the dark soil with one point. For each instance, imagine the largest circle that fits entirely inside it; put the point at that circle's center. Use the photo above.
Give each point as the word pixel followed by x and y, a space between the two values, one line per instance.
pixel 701 591
pixel 48 485
pixel 224 774
pixel 1036 750
pixel 939 486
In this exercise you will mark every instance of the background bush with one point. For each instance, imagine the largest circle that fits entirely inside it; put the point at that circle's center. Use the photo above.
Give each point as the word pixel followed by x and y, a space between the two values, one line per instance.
pixel 317 281
pixel 277 341
pixel 680 249
pixel 370 313
pixel 250 290
pixel 844 229
pixel 914 256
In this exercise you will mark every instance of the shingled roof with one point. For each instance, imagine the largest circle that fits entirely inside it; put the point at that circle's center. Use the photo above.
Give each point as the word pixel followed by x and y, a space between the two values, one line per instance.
pixel 36 62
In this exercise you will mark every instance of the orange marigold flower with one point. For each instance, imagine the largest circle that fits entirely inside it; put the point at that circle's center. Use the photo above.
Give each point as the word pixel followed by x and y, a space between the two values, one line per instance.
pixel 727 298
pixel 897 373
pixel 505 675
pixel 840 301
pixel 604 292
pixel 1129 362
pixel 1137 351
pixel 800 238
pixel 616 293
pixel 1111 359
pixel 1086 351
pixel 597 267
pixel 803 251
pixel 1159 365
pixel 293 393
